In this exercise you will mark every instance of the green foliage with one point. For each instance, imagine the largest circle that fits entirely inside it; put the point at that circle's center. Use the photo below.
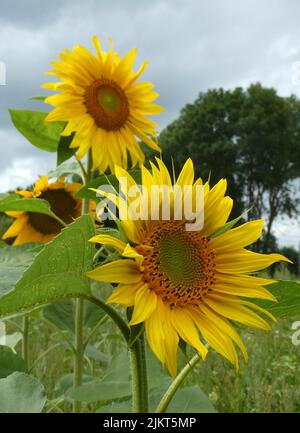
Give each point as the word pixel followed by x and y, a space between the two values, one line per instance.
pixel 288 296
pixel 109 179
pixel 292 254
pixel 11 340
pixel 64 151
pixel 189 400
pixel 65 169
pixel 250 137
pixel 115 384
pixel 10 362
pixel 61 314
pixel 21 393
pixel 13 202
pixel 57 272
pixel 32 125
pixel 269 382
pixel 13 262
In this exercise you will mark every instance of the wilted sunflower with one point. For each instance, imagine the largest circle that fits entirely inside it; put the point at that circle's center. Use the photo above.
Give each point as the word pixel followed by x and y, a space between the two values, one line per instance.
pixel 183 283
pixel 36 227
pixel 100 99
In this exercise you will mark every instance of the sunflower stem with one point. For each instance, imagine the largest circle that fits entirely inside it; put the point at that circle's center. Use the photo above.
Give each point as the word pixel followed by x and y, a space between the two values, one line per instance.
pixel 111 312
pixel 25 341
pixel 177 382
pixel 79 309
pixel 79 344
pixel 139 376
pixel 59 220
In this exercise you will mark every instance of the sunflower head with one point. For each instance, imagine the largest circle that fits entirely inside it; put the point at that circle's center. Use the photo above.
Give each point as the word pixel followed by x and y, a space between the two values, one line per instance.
pixel 186 284
pixel 103 103
pixel 35 227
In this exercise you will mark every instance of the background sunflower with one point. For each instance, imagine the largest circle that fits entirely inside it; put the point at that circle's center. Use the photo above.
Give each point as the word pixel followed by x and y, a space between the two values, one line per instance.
pixel 100 99
pixel 35 227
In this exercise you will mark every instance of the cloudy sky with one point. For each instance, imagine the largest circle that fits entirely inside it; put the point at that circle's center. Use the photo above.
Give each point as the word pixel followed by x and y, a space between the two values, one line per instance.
pixel 191 45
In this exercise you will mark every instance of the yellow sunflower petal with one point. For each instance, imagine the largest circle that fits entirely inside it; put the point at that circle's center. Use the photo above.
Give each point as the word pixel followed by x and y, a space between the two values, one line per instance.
pixel 124 294
pixel 237 312
pixel 239 237
pixel 144 305
pixel 187 330
pixel 110 241
pixel 119 271
pixel 16 228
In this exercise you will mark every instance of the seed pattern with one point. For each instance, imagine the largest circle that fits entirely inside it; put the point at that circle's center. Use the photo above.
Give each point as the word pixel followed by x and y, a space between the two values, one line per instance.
pixel 107 103
pixel 179 265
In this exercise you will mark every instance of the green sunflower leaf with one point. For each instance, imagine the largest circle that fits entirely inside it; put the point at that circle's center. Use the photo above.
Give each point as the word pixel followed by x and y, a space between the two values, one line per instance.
pixel 190 400
pixel 16 203
pixel 57 272
pixel 61 314
pixel 21 393
pixel 288 296
pixel 115 384
pixel 13 262
pixel 105 180
pixel 64 151
pixel 10 362
pixel 65 169
pixel 37 98
pixel 32 125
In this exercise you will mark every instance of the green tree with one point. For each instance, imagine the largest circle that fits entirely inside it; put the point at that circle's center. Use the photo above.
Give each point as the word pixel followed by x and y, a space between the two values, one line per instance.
pixel 206 131
pixel 251 137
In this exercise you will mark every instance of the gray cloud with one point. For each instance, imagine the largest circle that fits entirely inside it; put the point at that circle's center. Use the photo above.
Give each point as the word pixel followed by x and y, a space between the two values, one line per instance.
pixel 191 46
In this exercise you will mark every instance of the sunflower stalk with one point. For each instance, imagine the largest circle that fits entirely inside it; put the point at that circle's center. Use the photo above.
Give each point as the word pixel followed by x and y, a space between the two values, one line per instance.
pixel 79 310
pixel 139 376
pixel 25 341
pixel 177 382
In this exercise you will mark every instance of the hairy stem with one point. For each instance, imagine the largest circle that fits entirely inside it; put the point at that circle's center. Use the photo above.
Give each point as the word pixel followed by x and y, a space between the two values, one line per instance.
pixel 25 341
pixel 111 312
pixel 171 391
pixel 79 308
pixel 139 376
pixel 79 344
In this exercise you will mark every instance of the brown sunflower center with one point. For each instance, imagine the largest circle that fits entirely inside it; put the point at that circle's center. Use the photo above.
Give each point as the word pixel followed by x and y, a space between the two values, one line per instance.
pixel 62 204
pixel 179 265
pixel 107 103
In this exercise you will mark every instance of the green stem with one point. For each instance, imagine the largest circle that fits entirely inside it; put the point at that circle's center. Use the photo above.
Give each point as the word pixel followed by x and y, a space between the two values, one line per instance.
pixel 79 308
pixel 171 391
pixel 25 341
pixel 113 315
pixel 79 344
pixel 84 173
pixel 100 323
pixel 59 332
pixel 42 356
pixel 139 376
pixel 59 220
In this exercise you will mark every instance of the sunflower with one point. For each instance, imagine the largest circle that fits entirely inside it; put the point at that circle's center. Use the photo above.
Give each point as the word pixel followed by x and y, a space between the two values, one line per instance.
pixel 104 105
pixel 35 227
pixel 188 285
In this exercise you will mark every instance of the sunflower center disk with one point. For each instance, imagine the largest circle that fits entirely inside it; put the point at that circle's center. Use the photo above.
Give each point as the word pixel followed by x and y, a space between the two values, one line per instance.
pixel 107 103
pixel 62 204
pixel 178 265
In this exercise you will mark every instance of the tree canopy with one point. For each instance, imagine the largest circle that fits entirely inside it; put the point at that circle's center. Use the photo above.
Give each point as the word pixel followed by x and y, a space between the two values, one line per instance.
pixel 250 137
